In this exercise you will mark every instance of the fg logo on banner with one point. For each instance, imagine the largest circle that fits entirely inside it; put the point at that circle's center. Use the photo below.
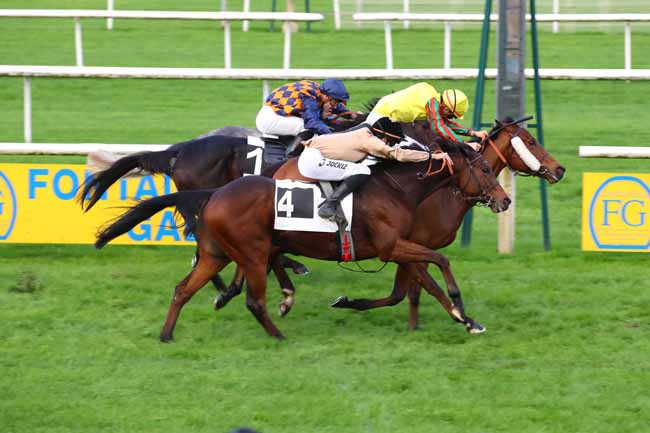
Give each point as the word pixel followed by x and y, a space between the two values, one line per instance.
pixel 8 207
pixel 616 210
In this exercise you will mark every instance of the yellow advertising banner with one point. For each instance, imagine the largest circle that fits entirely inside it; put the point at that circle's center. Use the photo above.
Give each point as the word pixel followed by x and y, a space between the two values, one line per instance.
pixel 38 205
pixel 616 212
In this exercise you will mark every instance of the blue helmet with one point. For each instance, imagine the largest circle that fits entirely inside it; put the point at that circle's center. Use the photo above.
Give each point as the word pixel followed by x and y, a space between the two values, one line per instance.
pixel 335 89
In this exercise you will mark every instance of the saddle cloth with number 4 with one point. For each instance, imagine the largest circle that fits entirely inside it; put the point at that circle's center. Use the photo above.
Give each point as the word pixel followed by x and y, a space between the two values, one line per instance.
pixel 296 208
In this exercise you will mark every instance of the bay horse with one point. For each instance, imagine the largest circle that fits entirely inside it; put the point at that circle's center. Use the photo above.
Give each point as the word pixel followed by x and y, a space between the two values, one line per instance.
pixel 236 224
pixel 447 208
pixel 208 161
pixel 527 157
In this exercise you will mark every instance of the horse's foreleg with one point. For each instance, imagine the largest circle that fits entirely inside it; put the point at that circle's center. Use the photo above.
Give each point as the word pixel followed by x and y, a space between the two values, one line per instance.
pixel 256 298
pixel 405 251
pixel 286 286
pixel 233 290
pixel 454 293
pixel 205 269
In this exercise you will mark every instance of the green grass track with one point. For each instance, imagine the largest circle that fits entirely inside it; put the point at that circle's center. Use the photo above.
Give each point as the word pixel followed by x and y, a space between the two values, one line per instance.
pixel 568 340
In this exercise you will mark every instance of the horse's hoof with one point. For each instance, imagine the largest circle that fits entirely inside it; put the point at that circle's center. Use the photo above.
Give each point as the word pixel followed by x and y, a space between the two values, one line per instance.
pixel 219 302
pixel 339 302
pixel 284 309
pixel 166 338
pixel 300 269
pixel 475 328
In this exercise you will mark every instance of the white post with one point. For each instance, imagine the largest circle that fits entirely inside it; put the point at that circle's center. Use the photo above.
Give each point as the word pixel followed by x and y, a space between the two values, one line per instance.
pixel 287 47
pixel 406 10
pixel 556 10
pixel 265 90
pixel 224 7
pixel 337 14
pixel 247 8
pixel 628 45
pixel 506 219
pixel 77 42
pixel 447 63
pixel 359 10
pixel 227 58
pixel 109 21
pixel 389 45
pixel 27 109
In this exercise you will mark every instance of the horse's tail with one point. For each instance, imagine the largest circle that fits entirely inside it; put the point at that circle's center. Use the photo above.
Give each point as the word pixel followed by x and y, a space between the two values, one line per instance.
pixel 149 162
pixel 188 201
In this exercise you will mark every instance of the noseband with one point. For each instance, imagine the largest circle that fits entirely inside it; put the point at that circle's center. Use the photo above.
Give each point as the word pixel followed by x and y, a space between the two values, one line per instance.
pixel 541 171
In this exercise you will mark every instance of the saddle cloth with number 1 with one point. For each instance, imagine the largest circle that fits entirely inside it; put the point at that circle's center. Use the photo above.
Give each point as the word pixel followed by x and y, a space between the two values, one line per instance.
pixel 296 208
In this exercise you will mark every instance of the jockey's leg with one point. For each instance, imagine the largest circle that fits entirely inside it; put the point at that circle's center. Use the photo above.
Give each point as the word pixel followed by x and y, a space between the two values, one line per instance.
pixel 269 122
pixel 328 209
pixel 313 164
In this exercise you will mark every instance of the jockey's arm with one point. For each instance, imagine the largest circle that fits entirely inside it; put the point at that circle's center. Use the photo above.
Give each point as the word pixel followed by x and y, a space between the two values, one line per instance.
pixel 311 116
pixel 440 126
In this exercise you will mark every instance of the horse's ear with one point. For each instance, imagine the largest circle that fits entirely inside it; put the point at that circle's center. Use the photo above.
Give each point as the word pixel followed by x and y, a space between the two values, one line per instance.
pixel 497 122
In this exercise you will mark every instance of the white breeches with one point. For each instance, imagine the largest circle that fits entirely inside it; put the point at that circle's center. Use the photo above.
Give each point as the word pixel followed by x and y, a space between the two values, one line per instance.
pixel 313 164
pixel 268 122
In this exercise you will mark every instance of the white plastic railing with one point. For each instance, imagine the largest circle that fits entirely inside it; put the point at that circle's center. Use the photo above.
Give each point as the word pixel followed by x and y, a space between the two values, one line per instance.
pixel 287 74
pixel 614 152
pixel 225 17
pixel 448 19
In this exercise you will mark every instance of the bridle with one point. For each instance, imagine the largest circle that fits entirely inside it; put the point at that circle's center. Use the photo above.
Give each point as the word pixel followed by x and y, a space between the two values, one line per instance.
pixel 483 197
pixel 536 166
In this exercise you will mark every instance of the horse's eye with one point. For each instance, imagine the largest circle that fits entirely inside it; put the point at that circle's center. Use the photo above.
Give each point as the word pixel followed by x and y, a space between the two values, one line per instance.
pixel 486 169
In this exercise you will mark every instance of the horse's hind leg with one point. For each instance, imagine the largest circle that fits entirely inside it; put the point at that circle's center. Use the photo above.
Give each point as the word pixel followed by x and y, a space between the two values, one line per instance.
pixel 286 286
pixel 205 269
pixel 297 267
pixel 413 293
pixel 256 298
pixel 362 304
pixel 233 290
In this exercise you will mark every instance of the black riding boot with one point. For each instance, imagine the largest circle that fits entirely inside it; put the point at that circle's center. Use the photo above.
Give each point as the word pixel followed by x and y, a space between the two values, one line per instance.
pixel 295 146
pixel 328 209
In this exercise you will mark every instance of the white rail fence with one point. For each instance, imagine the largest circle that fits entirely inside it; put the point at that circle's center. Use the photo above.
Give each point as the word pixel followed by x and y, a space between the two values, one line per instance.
pixel 614 152
pixel 225 17
pixel 448 19
pixel 27 72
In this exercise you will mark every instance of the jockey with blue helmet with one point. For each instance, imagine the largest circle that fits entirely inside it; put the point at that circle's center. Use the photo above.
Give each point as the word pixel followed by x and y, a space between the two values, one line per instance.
pixel 302 105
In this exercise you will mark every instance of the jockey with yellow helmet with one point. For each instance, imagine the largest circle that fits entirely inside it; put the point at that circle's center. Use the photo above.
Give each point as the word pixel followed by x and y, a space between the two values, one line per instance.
pixel 422 101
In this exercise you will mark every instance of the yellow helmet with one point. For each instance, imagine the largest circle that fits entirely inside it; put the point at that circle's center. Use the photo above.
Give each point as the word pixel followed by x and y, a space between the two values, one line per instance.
pixel 456 101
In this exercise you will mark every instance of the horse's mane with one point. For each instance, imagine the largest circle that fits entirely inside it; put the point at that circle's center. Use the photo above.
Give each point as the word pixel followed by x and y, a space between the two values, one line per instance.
pixel 499 123
pixel 370 104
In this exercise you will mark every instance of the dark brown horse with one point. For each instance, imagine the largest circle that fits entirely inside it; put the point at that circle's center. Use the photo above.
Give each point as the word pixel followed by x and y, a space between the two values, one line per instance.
pixel 447 209
pixel 236 224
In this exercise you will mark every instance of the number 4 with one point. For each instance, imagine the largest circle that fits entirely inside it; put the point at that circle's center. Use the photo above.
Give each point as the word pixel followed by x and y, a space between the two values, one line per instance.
pixel 285 203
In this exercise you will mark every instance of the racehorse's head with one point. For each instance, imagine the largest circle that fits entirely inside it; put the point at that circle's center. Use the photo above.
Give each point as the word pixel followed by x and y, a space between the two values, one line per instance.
pixel 473 177
pixel 520 151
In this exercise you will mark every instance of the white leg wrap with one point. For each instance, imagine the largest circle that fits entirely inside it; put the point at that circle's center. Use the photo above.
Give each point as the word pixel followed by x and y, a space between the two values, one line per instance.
pixel 268 122
pixel 313 164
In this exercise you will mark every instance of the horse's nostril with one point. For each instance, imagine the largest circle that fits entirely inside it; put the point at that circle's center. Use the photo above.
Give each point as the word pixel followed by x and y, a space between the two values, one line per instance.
pixel 559 172
pixel 506 203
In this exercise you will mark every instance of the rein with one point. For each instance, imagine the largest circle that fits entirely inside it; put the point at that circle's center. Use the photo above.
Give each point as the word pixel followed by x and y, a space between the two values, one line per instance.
pixel 429 172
